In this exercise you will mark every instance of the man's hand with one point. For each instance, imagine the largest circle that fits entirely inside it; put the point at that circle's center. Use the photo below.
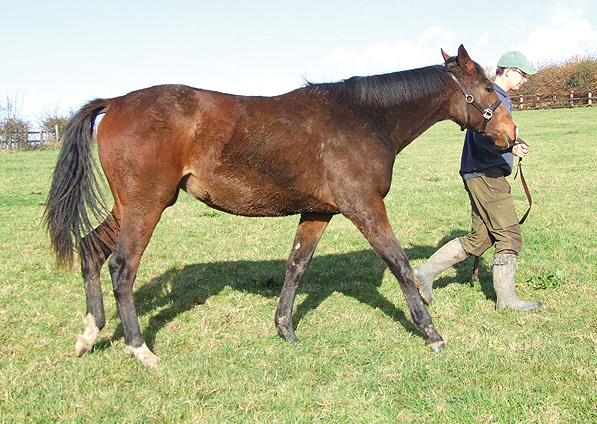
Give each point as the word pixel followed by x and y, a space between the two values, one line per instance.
pixel 520 150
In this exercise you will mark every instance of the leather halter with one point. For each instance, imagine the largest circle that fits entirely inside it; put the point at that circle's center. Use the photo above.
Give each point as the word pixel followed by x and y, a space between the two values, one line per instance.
pixel 470 100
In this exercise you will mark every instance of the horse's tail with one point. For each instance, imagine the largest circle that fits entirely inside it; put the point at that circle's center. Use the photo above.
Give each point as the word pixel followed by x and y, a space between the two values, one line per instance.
pixel 75 196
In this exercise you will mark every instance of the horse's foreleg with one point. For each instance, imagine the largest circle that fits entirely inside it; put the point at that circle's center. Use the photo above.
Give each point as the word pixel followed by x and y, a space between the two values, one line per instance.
pixel 378 231
pixel 94 250
pixel 135 233
pixel 309 232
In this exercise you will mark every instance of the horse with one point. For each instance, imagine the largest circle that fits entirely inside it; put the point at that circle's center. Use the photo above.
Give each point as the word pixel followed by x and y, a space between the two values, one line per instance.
pixel 318 151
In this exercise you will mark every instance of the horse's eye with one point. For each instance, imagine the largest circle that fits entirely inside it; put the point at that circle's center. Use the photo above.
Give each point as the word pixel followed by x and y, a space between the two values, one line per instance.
pixel 489 89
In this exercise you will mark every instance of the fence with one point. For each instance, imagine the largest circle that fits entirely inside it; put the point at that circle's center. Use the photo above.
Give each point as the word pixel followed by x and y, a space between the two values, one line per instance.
pixel 553 100
pixel 29 140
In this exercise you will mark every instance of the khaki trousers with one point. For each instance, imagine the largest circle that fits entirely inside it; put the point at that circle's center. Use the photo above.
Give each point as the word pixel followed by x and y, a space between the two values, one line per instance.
pixel 493 215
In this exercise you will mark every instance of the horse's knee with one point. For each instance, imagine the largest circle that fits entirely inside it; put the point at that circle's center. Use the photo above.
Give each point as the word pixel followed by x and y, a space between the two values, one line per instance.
pixel 116 263
pixel 119 270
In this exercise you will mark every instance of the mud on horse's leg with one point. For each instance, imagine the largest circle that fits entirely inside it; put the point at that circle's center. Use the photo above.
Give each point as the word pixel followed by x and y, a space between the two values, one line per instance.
pixel 309 232
pixel 84 342
pixel 94 250
pixel 123 269
pixel 136 229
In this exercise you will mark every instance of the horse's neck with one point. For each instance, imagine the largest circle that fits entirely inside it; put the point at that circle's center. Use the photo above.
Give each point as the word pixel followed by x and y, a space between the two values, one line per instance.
pixel 405 122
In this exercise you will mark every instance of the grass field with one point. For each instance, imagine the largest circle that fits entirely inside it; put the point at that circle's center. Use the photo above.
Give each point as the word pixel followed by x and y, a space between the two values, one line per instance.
pixel 206 312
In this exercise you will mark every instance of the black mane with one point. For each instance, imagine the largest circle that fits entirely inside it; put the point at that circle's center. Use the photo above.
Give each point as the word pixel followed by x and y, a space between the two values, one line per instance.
pixel 386 89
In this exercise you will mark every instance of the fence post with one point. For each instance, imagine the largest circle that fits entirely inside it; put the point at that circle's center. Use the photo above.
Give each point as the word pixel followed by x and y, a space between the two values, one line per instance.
pixel 521 101
pixel 572 98
pixel 57 134
pixel 590 98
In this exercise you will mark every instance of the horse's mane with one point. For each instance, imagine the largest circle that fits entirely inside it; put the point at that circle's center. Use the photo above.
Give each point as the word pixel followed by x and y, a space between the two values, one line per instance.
pixel 385 89
pixel 388 89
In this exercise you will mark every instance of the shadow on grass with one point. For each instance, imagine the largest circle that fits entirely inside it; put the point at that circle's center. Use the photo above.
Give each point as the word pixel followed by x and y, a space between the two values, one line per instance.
pixel 356 274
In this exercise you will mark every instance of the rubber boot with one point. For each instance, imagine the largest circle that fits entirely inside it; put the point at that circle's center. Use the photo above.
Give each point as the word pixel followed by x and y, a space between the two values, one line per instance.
pixel 504 272
pixel 449 254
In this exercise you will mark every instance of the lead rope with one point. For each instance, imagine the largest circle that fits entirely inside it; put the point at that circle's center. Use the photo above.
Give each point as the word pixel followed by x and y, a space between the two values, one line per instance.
pixel 524 184
pixel 526 214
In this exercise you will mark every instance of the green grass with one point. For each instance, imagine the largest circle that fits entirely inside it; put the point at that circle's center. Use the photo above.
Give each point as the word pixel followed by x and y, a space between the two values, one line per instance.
pixel 206 312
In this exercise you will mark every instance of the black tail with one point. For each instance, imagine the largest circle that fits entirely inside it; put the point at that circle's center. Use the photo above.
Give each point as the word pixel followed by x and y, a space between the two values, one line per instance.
pixel 75 196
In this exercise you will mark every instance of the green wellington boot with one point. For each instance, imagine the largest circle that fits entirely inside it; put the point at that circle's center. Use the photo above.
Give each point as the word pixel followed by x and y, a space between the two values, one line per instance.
pixel 449 254
pixel 504 271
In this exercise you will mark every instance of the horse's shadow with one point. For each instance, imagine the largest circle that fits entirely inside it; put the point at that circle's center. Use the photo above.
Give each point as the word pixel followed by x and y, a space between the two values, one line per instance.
pixel 356 274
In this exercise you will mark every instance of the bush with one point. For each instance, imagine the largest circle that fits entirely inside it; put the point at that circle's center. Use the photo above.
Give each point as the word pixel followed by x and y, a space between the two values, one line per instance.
pixel 578 73
pixel 53 122
pixel 13 128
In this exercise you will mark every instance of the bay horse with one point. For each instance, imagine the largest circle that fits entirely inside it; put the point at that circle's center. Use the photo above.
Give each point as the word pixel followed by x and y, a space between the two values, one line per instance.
pixel 320 150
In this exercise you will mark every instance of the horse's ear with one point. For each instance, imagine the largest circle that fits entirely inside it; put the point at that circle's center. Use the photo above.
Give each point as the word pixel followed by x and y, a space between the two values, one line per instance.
pixel 464 59
pixel 445 55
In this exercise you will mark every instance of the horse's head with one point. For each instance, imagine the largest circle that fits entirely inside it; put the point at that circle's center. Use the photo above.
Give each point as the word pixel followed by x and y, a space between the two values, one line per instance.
pixel 474 104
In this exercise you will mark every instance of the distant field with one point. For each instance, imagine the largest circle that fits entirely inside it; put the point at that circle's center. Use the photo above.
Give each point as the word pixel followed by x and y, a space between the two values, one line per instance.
pixel 206 312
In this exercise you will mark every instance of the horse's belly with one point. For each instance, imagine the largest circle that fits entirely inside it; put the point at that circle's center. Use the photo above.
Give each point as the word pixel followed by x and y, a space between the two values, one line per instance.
pixel 266 199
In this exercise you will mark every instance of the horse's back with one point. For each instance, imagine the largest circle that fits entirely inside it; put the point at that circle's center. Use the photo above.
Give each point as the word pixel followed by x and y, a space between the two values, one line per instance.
pixel 178 110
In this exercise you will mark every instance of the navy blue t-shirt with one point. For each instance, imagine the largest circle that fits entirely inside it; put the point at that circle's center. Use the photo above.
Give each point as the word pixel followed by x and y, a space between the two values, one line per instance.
pixel 480 155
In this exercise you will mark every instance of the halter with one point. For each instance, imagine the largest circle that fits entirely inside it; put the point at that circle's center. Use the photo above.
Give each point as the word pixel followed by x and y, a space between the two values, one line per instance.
pixel 470 100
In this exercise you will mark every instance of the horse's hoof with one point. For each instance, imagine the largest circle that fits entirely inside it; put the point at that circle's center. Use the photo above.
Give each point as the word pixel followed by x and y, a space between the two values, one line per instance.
pixel 290 337
pixel 437 346
pixel 144 355
pixel 84 342
pixel 82 345
pixel 285 330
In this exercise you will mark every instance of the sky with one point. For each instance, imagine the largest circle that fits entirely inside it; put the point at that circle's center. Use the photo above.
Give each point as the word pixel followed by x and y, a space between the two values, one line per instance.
pixel 57 55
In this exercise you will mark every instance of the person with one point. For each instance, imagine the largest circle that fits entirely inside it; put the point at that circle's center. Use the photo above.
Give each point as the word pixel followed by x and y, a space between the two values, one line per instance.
pixel 483 169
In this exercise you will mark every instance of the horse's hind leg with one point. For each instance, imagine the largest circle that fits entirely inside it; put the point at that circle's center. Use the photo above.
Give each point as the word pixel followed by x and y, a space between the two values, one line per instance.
pixel 309 232
pixel 95 249
pixel 136 229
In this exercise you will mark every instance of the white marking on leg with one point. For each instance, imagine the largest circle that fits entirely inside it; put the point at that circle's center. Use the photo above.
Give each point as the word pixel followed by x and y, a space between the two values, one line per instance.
pixel 144 355
pixel 84 342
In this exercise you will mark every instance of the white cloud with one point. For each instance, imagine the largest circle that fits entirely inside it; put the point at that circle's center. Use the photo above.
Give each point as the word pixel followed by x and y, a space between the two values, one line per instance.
pixel 386 57
pixel 566 34
pixel 561 14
